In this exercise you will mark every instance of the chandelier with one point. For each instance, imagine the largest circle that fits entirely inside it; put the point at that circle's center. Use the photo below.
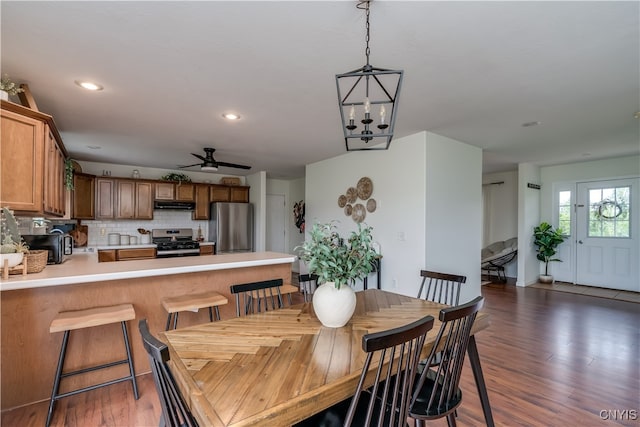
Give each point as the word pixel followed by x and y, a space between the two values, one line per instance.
pixel 368 101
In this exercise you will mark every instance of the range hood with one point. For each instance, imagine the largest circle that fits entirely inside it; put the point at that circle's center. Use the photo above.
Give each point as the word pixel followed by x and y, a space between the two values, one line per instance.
pixel 173 205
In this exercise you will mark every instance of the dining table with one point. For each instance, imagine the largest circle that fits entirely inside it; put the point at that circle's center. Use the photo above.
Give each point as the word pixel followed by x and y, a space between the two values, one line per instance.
pixel 279 367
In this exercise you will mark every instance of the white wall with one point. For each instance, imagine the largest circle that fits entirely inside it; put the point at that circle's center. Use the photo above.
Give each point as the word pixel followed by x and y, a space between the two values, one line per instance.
pixel 412 202
pixel 528 218
pixel 258 197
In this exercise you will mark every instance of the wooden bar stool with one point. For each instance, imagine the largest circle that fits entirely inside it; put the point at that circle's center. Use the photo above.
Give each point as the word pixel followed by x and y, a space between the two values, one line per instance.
pixel 194 302
pixel 67 321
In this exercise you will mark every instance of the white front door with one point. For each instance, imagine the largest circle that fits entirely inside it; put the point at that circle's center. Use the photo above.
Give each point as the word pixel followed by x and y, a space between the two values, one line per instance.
pixel 608 234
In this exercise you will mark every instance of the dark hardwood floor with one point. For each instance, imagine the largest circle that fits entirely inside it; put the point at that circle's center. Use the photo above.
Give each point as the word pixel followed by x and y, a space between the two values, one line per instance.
pixel 549 359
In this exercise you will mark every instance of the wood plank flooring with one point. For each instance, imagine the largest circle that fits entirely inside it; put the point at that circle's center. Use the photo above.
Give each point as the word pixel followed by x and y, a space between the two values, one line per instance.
pixel 549 359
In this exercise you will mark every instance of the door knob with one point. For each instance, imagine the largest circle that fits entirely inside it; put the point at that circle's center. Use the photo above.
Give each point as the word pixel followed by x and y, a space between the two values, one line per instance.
pixel 580 241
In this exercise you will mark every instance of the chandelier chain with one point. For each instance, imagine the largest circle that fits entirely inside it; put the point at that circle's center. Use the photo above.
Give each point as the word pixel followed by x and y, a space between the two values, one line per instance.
pixel 367 51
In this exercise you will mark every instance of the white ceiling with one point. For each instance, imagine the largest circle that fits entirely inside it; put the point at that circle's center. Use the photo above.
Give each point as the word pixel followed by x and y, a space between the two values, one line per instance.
pixel 474 72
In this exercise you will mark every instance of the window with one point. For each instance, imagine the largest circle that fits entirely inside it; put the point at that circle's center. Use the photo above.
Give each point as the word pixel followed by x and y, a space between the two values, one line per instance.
pixel 564 212
pixel 609 212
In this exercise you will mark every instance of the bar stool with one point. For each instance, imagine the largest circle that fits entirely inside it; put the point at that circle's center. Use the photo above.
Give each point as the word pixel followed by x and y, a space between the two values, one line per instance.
pixel 67 321
pixel 194 302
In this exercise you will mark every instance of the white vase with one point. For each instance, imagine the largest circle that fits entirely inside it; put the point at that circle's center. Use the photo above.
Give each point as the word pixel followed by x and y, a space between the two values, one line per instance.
pixel 14 259
pixel 4 95
pixel 334 307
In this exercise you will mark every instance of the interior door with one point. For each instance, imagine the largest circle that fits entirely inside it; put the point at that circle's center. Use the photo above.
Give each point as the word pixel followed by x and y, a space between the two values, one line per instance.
pixel 275 232
pixel 608 234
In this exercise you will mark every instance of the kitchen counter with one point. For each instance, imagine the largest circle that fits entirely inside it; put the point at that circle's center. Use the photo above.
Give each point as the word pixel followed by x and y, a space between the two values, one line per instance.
pixel 85 268
pixel 29 303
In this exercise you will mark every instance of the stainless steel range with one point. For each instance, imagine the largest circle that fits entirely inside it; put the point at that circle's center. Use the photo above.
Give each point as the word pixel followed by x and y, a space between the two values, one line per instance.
pixel 172 242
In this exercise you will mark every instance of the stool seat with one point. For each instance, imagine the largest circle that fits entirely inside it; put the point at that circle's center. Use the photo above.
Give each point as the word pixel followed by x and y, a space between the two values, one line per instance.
pixel 193 302
pixel 79 319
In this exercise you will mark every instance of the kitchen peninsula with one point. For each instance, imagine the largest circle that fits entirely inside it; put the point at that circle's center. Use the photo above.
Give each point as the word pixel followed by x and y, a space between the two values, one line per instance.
pixel 29 303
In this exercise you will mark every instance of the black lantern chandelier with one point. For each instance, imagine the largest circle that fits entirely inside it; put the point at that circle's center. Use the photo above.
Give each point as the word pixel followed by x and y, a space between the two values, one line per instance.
pixel 370 101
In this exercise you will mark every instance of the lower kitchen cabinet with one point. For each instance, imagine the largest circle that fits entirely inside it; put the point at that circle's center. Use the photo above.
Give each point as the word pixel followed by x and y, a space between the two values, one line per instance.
pixel 110 255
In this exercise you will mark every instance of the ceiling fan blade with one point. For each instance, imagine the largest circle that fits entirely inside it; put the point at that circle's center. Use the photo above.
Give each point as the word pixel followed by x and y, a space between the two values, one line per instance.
pixel 199 156
pixel 182 167
pixel 233 165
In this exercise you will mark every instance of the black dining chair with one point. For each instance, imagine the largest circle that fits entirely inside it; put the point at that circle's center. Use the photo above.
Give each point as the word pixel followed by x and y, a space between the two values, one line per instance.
pixel 307 283
pixel 256 297
pixel 386 402
pixel 437 393
pixel 175 412
pixel 443 288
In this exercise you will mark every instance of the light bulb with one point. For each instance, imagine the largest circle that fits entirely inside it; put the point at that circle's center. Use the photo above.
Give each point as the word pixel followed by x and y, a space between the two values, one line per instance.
pixel 383 113
pixel 352 113
pixel 367 105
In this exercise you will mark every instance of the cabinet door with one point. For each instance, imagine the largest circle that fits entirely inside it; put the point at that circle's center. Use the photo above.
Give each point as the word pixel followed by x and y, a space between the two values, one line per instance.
pixel 219 193
pixel 185 192
pixel 144 200
pixel 240 194
pixel 125 199
pixel 202 202
pixel 53 175
pixel 165 191
pixel 21 162
pixel 83 196
pixel 105 197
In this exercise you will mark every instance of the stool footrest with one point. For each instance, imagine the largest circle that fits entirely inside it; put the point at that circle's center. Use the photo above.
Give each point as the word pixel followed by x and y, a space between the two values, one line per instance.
pixel 91 387
pixel 94 368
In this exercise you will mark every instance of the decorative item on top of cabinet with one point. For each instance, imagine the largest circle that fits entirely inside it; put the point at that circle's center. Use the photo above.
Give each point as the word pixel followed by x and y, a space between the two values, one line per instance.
pixel 31 162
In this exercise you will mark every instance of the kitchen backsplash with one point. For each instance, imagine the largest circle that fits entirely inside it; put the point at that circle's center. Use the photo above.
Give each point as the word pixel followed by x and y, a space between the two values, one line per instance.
pixel 98 230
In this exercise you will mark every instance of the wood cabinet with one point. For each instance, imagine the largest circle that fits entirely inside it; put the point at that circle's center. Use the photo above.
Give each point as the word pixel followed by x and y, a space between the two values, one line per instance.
pixel 219 193
pixel 110 255
pixel 239 194
pixel 206 249
pixel 105 198
pixel 165 191
pixel 123 199
pixel 54 188
pixel 83 196
pixel 185 192
pixel 31 162
pixel 202 202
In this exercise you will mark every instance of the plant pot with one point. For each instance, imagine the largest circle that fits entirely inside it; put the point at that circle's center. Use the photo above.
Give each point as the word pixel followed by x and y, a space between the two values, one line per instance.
pixel 4 95
pixel 545 279
pixel 14 259
pixel 334 307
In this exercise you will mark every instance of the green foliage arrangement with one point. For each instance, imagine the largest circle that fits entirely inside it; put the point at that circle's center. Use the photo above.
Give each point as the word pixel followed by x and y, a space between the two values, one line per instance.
pixel 11 239
pixel 335 259
pixel 10 87
pixel 547 240
pixel 176 177
pixel 68 174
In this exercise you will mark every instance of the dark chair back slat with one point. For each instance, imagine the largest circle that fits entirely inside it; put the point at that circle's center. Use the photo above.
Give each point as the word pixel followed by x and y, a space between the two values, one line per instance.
pixel 442 288
pixel 437 393
pixel 175 412
pixel 308 283
pixel 255 296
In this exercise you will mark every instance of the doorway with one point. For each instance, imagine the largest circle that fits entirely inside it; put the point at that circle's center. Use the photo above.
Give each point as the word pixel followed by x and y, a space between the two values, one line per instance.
pixel 607 234
pixel 275 219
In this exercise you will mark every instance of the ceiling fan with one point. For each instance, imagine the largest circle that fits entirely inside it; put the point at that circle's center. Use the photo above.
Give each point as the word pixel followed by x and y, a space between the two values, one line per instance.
pixel 209 164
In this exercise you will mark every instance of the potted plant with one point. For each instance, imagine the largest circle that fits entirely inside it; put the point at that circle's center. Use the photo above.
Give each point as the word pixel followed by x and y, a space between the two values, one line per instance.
pixel 338 263
pixel 547 240
pixel 7 87
pixel 12 247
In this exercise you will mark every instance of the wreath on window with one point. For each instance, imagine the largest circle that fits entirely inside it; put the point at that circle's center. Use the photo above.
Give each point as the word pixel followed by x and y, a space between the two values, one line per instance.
pixel 607 209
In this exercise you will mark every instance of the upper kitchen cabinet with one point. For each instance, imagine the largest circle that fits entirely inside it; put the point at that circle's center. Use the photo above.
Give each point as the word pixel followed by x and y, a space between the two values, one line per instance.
pixel 239 194
pixel 123 199
pixel 105 198
pixel 32 160
pixel 202 202
pixel 165 191
pixel 185 192
pixel 229 193
pixel 219 193
pixel 83 196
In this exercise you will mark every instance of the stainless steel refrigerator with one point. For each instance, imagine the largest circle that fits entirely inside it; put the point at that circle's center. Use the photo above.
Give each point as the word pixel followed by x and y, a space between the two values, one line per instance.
pixel 231 227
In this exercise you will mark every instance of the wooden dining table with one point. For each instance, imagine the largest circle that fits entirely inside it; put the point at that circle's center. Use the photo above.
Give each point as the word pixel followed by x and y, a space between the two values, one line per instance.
pixel 279 367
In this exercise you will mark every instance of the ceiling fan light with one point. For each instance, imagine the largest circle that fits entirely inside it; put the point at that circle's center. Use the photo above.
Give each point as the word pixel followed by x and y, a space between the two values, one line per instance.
pixel 208 169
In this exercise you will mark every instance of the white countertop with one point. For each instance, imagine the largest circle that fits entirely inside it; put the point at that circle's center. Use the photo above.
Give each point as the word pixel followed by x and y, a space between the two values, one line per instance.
pixel 85 268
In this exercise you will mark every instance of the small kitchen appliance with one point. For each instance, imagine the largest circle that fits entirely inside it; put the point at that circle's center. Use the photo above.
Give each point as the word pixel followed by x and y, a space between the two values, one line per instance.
pixel 59 245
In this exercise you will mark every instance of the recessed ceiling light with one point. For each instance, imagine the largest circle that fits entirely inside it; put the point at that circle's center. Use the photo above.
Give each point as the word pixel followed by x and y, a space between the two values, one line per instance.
pixel 89 85
pixel 529 124
pixel 94 147
pixel 231 116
